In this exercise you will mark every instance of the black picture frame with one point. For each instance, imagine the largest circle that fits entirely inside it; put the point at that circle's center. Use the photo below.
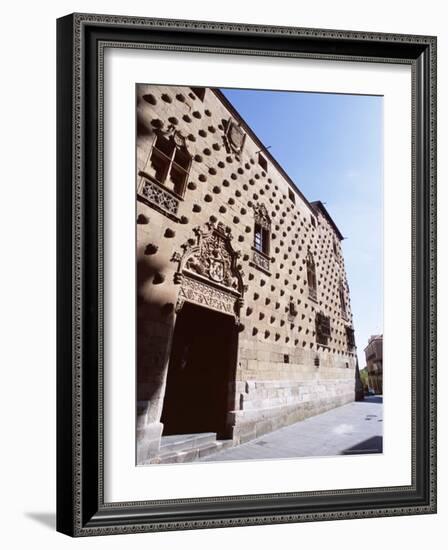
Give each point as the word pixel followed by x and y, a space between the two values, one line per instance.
pixel 81 510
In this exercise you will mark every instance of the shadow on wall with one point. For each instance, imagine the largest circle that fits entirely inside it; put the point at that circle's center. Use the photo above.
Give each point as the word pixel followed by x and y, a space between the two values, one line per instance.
pixel 47 519
pixel 155 320
pixel 143 128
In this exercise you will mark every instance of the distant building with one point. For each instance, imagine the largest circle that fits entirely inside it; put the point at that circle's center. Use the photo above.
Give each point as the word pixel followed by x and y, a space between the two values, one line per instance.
pixel 244 323
pixel 374 359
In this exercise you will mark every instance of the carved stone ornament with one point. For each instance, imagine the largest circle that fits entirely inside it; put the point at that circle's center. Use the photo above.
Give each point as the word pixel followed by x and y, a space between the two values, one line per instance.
pixel 177 136
pixel 208 271
pixel 234 137
pixel 260 260
pixel 205 295
pixel 262 217
pixel 158 196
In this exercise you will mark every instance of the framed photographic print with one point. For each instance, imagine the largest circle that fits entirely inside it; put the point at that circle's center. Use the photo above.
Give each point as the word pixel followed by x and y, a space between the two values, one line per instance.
pixel 246 274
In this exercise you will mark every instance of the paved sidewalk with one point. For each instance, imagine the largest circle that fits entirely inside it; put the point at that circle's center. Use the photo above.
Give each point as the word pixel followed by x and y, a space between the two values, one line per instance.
pixel 354 428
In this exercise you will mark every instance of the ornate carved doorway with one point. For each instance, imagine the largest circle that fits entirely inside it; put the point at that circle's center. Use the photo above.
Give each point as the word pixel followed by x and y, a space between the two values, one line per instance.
pixel 199 387
pixel 201 371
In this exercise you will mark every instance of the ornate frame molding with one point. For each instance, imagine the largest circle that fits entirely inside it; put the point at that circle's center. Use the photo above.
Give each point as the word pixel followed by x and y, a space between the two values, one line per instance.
pixel 82 38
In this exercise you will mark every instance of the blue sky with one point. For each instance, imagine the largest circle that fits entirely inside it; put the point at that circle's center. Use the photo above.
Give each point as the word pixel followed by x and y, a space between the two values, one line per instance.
pixel 331 146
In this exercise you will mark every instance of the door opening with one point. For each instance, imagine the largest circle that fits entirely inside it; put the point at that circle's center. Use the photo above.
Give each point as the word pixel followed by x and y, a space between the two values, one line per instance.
pixel 201 369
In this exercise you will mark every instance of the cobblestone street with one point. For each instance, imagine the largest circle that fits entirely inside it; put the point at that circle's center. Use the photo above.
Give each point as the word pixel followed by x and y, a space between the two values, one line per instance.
pixel 354 428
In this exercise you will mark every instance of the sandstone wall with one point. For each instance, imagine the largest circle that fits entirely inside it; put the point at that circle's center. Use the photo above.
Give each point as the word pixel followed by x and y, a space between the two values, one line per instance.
pixel 283 375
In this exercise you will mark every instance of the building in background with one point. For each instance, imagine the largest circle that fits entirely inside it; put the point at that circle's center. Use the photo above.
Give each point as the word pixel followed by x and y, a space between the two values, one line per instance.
pixel 244 322
pixel 374 359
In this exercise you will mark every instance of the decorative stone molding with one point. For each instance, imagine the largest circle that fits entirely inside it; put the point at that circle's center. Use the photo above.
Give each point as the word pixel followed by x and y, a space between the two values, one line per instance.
pixel 171 132
pixel 208 272
pixel 158 197
pixel 200 293
pixel 234 137
pixel 260 260
pixel 261 216
pixel 153 192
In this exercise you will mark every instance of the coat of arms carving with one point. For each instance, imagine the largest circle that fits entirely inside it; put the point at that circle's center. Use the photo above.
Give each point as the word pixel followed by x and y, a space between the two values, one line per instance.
pixel 234 137
pixel 212 262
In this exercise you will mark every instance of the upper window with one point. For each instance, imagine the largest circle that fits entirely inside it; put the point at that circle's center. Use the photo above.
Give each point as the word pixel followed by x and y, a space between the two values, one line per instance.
pixel 335 249
pixel 313 221
pixel 291 195
pixel 311 276
pixel 261 239
pixel 170 164
pixel 342 299
pixel 262 162
pixel 350 334
pixel 323 329
pixel 292 310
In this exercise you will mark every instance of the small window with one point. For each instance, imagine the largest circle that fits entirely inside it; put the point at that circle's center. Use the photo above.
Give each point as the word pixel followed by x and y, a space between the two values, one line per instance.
pixel 262 162
pixel 292 311
pixel 342 299
pixel 323 329
pixel 262 231
pixel 199 93
pixel 350 335
pixel 311 276
pixel 292 196
pixel 261 239
pixel 286 358
pixel 313 221
pixel 170 164
pixel 335 248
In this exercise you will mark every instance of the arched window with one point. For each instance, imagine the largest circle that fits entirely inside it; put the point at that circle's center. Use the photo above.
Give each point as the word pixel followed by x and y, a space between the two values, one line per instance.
pixel 311 276
pixel 342 299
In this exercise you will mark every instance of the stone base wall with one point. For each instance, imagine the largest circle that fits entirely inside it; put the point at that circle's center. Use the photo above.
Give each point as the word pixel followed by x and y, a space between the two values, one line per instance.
pixel 271 393
pixel 269 405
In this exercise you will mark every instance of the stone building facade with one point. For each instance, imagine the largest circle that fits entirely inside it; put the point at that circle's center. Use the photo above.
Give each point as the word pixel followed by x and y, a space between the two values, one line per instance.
pixel 244 322
pixel 374 359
